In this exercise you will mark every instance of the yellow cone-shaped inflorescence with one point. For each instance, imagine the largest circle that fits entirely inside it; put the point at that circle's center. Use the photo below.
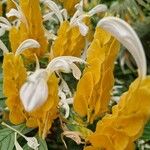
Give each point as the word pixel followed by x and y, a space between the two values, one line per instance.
pixel 69 42
pixel 14 77
pixel 69 5
pixel 98 78
pixel 33 28
pixel 119 130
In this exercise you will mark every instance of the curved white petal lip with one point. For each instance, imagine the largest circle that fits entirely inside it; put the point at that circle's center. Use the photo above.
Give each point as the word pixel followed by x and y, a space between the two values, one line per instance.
pixel 5 23
pixel 124 33
pixel 97 9
pixel 29 43
pixel 65 64
pixel 17 13
pixel 54 8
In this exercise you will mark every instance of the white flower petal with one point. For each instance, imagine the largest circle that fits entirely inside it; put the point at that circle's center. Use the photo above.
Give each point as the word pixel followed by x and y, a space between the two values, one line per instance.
pixel 29 43
pixel 3 47
pixel 97 9
pixel 62 63
pixel 124 33
pixel 40 95
pixel 64 13
pixel 55 9
pixel 6 22
pixel 83 28
pixel 19 13
pixel 34 94
pixel 2 31
pixel 32 142
pixel 13 12
pixel 48 16
pixel 26 92
pixel 17 145
pixel 76 71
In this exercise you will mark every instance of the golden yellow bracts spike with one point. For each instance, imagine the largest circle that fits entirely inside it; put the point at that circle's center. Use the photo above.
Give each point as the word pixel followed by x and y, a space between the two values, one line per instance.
pixel 30 26
pixel 119 130
pixel 100 57
pixel 67 34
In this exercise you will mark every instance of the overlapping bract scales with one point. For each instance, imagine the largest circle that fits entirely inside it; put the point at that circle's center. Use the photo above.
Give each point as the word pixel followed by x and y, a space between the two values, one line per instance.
pixel 32 29
pixel 120 129
pixel 14 77
pixel 98 78
pixel 69 42
pixel 69 5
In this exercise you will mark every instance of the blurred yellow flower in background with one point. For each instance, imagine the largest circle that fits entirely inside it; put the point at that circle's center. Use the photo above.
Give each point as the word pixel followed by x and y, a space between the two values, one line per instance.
pixel 69 5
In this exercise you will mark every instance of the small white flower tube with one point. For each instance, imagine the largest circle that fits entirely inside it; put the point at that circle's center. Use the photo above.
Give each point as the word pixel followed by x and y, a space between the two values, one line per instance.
pixel 64 64
pixel 124 33
pixel 29 43
pixel 97 9
pixel 17 13
pixel 4 23
pixel 54 8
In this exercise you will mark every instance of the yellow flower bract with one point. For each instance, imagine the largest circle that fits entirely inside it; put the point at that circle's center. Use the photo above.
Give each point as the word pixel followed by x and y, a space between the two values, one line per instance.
pixel 98 78
pixel 32 29
pixel 14 77
pixel 69 5
pixel 119 130
pixel 69 42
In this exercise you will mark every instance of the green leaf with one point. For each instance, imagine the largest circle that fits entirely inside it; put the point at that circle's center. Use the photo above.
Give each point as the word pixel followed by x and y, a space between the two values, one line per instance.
pixel 6 139
pixel 7 136
pixel 81 129
pixel 43 145
pixel 146 133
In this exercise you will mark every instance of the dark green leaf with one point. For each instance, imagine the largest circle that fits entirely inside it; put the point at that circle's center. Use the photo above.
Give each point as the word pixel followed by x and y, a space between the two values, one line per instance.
pixel 146 133
pixel 7 136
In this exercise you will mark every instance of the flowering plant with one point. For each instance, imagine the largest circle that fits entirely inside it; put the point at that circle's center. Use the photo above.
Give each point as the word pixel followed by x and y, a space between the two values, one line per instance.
pixel 59 68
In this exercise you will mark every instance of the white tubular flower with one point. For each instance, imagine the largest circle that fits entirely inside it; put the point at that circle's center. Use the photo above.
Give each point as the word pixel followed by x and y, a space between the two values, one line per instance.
pixel 124 33
pixel 65 64
pixel 34 92
pixel 63 93
pixel 77 19
pixel 64 14
pixel 17 13
pixel 3 47
pixel 55 9
pixel 4 25
pixel 97 9
pixel 29 43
